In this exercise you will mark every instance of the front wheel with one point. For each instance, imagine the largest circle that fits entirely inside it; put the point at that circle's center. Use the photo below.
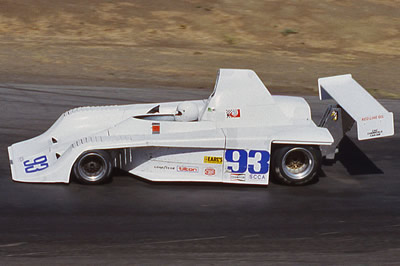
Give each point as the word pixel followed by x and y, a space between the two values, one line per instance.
pixel 93 167
pixel 296 165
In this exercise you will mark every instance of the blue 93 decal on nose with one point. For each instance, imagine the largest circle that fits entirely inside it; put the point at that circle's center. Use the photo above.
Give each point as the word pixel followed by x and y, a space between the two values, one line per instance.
pixel 36 165
pixel 238 161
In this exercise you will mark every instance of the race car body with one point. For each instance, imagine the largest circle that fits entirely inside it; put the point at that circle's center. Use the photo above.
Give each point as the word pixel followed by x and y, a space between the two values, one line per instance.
pixel 240 134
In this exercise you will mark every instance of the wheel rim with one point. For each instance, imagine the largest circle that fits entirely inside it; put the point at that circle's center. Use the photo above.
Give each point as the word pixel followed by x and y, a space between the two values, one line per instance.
pixel 298 163
pixel 92 167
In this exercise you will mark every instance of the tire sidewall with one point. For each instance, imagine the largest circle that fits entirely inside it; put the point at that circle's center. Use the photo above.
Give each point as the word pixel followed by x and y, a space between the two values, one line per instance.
pixel 280 175
pixel 105 177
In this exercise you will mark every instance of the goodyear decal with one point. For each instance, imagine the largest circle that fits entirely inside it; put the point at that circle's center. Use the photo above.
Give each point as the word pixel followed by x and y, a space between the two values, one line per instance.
pixel 213 159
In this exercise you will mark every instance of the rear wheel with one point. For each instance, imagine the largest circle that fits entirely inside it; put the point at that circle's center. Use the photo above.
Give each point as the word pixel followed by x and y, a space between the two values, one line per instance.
pixel 93 167
pixel 296 165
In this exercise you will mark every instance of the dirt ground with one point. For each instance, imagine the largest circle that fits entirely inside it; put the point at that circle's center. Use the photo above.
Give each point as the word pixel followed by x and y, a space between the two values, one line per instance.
pixel 158 43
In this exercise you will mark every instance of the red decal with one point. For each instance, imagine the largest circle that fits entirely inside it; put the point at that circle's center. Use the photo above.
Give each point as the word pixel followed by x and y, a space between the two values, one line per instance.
pixel 209 171
pixel 367 118
pixel 155 128
pixel 188 169
pixel 233 113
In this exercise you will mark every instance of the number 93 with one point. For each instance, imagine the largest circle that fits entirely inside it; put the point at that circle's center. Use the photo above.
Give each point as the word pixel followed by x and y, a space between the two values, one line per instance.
pixel 241 159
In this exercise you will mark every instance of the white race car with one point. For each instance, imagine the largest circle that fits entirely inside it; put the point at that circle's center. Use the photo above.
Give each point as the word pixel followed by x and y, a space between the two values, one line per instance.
pixel 240 134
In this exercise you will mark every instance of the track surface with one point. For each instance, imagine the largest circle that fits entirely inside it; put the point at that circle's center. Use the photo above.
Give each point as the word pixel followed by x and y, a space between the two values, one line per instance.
pixel 351 216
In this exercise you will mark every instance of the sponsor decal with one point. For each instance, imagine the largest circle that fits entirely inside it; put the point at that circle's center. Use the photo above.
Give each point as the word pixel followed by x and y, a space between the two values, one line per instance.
pixel 257 177
pixel 368 118
pixel 164 167
pixel 334 116
pixel 209 171
pixel 188 169
pixel 36 165
pixel 238 161
pixel 238 177
pixel 213 159
pixel 155 128
pixel 233 113
pixel 374 133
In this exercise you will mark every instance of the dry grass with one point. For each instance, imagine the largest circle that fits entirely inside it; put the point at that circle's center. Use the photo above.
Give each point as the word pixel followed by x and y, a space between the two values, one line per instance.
pixel 182 43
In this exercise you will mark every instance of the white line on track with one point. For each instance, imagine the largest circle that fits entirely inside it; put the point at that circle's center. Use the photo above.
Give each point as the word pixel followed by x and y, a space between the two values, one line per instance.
pixel 13 245
pixel 187 240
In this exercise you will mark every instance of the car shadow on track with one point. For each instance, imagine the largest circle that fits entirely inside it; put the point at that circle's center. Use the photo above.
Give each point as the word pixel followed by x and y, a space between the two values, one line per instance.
pixel 354 159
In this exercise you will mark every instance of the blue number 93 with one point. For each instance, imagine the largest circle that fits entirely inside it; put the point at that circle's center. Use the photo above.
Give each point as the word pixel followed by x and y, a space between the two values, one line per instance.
pixel 241 159
pixel 38 164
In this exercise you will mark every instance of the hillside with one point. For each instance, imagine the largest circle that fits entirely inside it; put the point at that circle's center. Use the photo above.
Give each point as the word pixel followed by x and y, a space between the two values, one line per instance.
pixel 155 43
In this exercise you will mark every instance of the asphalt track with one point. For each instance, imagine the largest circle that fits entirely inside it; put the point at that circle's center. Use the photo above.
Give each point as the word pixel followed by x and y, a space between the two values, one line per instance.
pixel 351 216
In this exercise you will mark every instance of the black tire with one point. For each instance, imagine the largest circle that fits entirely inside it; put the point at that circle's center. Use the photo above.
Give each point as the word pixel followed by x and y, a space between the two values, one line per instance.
pixel 295 165
pixel 93 167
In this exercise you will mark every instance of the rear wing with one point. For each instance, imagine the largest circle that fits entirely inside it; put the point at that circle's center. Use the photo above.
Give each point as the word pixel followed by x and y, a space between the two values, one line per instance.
pixel 373 120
